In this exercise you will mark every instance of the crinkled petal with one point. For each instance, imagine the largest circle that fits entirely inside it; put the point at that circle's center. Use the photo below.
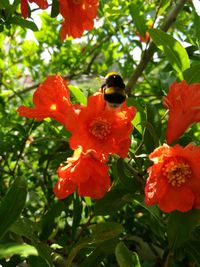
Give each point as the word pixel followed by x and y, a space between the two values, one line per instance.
pixel 51 99
pixel 78 17
pixel 64 188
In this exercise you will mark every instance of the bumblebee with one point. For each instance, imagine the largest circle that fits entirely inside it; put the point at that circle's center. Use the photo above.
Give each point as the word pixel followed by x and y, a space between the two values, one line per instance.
pixel 113 89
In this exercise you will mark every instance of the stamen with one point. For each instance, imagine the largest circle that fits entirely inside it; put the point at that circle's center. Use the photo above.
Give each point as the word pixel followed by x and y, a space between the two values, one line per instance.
pixel 53 107
pixel 177 171
pixel 100 128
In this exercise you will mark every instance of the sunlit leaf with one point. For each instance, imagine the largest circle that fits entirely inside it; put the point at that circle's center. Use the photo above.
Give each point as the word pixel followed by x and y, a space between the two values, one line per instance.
pixel 138 18
pixel 80 97
pixel 9 249
pixel 174 51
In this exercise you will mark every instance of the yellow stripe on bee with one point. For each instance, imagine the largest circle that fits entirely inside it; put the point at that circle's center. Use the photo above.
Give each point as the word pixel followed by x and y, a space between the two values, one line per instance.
pixel 114 90
pixel 111 74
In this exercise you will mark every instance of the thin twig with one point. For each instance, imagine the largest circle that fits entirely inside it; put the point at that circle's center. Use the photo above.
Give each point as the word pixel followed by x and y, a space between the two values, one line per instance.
pixel 148 53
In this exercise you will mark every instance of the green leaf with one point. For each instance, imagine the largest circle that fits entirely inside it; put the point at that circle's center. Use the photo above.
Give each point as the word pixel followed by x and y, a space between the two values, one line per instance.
pixel 138 19
pixel 180 226
pixel 100 233
pixel 80 97
pixel 164 5
pixel 155 219
pixel 24 23
pixel 25 227
pixel 125 257
pixel 55 9
pixel 100 252
pixel 174 51
pixel 105 231
pixel 77 214
pixel 48 220
pixel 192 74
pixel 197 26
pixel 152 128
pixel 12 205
pixel 140 115
pixel 4 4
pixel 9 249
pixel 36 261
pixel 192 247
pixel 113 201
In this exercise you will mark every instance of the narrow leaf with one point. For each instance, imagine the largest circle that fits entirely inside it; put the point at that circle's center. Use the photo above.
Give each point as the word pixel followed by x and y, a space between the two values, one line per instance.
pixel 12 205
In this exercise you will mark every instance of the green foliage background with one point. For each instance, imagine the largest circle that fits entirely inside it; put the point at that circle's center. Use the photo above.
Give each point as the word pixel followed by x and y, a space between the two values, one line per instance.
pixel 119 230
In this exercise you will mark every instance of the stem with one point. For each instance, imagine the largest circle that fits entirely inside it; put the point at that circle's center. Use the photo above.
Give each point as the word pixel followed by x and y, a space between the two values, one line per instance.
pixel 148 53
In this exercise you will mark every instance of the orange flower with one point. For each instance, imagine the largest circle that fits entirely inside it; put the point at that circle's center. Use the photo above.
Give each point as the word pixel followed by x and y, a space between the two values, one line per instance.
pixel 78 16
pixel 103 129
pixel 84 172
pixel 24 6
pixel 51 99
pixel 183 102
pixel 174 179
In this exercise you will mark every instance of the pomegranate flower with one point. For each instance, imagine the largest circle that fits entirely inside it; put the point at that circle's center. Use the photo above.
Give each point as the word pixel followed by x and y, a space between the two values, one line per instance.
pixel 51 99
pixel 183 102
pixel 103 129
pixel 174 179
pixel 24 6
pixel 85 173
pixel 78 16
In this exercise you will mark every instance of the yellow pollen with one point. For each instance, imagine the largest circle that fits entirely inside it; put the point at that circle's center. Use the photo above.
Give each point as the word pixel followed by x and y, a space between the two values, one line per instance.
pixel 177 171
pixel 53 107
pixel 100 128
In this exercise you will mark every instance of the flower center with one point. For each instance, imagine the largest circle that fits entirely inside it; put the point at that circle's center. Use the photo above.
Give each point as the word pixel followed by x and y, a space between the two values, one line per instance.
pixel 177 171
pixel 100 128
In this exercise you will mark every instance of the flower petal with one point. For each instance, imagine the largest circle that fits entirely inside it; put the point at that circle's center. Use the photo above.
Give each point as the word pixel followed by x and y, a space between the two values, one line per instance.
pixel 183 102
pixel 174 178
pixel 77 17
